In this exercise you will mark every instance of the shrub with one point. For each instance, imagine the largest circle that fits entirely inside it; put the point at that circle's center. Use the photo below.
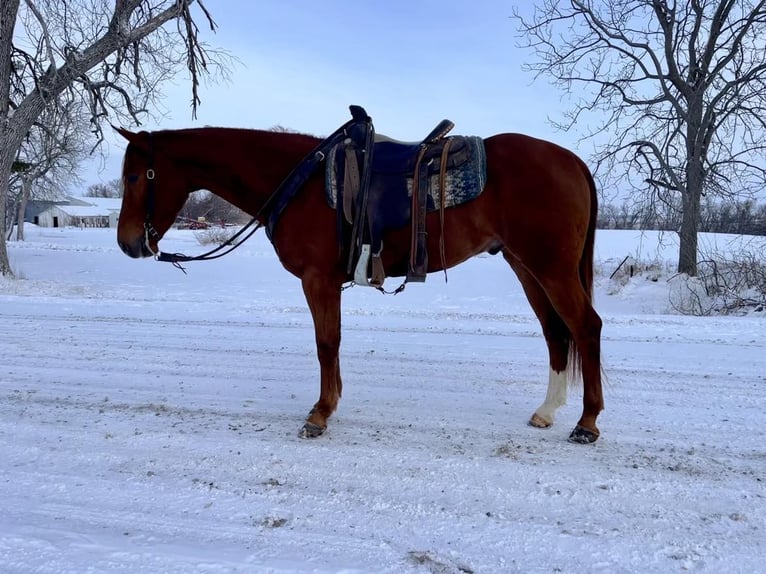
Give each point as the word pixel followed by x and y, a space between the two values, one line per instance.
pixel 724 285
pixel 215 235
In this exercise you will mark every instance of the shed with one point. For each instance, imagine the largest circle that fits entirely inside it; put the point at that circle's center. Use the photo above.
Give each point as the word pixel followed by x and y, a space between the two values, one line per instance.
pixel 75 212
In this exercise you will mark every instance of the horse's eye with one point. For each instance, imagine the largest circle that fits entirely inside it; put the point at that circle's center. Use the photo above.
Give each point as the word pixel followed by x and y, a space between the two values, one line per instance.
pixel 132 178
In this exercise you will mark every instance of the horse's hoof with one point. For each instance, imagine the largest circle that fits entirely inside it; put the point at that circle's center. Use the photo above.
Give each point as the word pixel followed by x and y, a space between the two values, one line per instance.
pixel 310 430
pixel 539 422
pixel 582 435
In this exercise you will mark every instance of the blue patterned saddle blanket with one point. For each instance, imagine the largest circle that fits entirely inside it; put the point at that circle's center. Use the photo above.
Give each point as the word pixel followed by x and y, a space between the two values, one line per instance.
pixel 393 171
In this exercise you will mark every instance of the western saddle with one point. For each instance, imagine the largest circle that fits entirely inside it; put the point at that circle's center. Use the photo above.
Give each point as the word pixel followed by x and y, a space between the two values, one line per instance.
pixel 382 184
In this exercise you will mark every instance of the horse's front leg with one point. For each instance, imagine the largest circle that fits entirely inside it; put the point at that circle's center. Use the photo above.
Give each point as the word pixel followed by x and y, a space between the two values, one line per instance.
pixel 323 297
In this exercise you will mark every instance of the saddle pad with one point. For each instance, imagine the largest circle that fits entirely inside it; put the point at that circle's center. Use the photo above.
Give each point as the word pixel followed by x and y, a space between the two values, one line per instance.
pixel 462 183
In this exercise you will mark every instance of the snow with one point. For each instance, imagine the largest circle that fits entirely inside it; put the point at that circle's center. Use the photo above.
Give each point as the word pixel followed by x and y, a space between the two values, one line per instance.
pixel 149 423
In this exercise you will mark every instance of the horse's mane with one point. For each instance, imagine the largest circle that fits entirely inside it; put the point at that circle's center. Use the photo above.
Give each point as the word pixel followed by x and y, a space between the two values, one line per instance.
pixel 181 141
pixel 228 132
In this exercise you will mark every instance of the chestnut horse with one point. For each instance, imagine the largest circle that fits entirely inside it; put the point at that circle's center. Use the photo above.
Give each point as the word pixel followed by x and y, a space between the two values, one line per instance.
pixel 538 209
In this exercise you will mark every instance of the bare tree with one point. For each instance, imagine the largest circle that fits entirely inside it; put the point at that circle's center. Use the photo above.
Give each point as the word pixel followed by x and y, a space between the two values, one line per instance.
pixel 112 54
pixel 112 188
pixel 679 90
pixel 51 154
pixel 213 209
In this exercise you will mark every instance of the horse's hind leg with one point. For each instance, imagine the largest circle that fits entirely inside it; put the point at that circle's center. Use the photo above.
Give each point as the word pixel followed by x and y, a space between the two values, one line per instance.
pixel 323 297
pixel 573 305
pixel 557 338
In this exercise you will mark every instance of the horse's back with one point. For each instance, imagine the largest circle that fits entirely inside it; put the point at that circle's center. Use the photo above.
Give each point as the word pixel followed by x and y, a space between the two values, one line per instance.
pixel 525 154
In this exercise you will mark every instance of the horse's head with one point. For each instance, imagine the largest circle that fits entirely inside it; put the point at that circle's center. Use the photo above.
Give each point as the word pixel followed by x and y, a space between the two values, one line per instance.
pixel 154 191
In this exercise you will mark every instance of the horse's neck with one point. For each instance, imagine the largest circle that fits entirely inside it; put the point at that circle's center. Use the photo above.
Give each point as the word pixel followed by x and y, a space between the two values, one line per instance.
pixel 245 167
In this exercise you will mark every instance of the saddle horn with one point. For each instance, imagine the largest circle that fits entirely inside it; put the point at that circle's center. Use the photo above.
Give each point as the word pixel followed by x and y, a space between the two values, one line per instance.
pixel 441 130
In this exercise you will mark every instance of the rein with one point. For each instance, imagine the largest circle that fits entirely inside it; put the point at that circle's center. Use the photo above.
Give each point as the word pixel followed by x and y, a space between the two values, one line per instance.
pixel 282 195
pixel 177 258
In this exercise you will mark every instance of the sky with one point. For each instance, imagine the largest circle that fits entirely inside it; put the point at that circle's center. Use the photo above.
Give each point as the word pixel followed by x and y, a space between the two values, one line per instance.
pixel 409 64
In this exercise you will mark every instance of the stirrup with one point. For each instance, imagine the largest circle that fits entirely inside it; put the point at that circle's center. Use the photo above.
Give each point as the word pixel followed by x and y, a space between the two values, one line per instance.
pixel 360 273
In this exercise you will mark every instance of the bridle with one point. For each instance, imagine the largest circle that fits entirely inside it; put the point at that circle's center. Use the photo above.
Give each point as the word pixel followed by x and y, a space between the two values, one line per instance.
pixel 149 231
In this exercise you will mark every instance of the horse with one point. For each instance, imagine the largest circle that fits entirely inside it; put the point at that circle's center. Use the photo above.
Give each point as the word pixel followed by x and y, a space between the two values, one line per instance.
pixel 538 209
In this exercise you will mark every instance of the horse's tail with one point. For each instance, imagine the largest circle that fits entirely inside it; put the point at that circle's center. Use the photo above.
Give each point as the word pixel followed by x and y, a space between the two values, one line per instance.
pixel 586 259
pixel 574 363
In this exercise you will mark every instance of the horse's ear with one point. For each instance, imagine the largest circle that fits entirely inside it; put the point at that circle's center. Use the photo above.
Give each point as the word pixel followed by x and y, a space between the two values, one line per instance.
pixel 136 139
pixel 130 136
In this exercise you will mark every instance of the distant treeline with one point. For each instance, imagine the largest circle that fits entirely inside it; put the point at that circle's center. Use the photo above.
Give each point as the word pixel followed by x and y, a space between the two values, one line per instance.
pixel 744 217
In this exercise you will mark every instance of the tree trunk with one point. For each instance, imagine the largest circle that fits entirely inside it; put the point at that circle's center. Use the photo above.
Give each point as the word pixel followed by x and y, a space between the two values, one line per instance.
pixel 695 181
pixel 8 12
pixel 11 216
pixel 12 132
pixel 5 263
pixel 13 129
pixel 687 252
pixel 26 190
pixel 6 161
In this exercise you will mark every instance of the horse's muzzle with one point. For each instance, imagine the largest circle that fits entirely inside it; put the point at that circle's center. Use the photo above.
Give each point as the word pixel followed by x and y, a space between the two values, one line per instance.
pixel 136 248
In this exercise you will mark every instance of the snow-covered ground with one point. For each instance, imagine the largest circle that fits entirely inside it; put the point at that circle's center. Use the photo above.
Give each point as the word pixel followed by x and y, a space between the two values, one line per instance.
pixel 149 423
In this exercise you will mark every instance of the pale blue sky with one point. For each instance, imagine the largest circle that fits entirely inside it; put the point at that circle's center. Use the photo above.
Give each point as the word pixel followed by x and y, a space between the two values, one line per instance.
pixel 410 63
